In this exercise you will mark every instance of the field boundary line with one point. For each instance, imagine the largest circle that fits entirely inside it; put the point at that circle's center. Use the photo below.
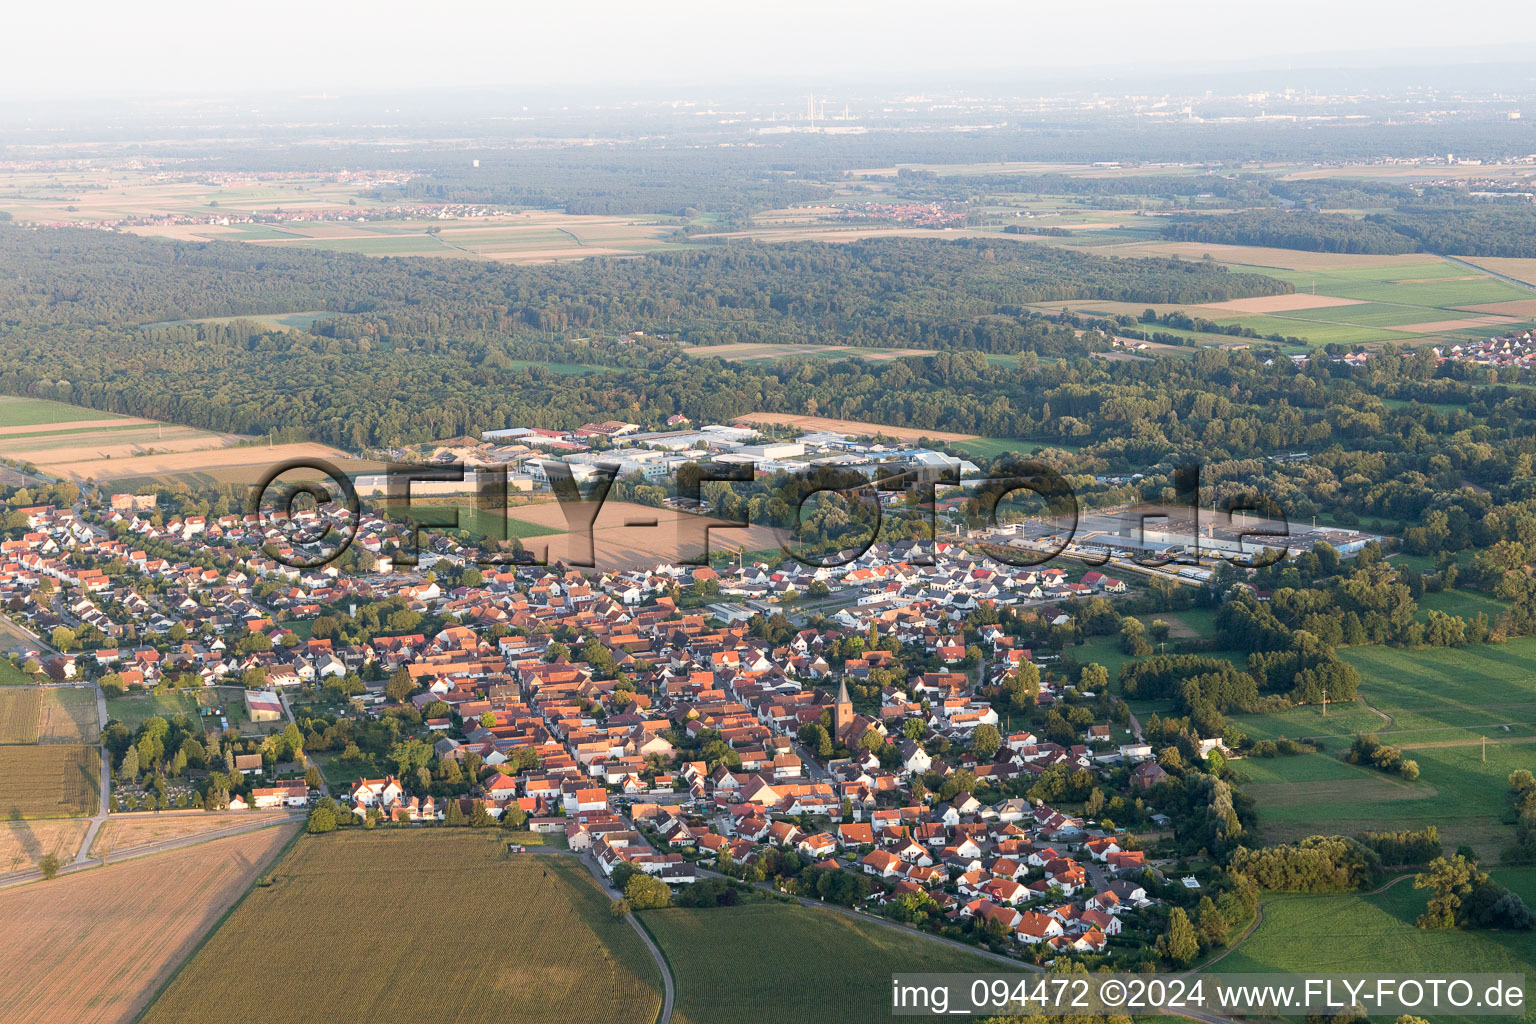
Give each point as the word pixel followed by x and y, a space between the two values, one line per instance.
pixel 213 929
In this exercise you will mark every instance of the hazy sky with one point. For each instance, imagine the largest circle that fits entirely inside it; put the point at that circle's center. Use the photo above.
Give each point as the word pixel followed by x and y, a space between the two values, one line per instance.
pixel 202 49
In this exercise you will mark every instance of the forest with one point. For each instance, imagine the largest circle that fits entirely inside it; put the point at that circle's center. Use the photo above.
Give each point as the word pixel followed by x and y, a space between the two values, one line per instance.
pixel 1437 223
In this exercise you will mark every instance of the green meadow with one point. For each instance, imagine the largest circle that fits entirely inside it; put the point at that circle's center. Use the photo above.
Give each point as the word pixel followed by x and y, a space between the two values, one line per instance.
pixel 1366 934
pixel 1438 705
pixel 28 412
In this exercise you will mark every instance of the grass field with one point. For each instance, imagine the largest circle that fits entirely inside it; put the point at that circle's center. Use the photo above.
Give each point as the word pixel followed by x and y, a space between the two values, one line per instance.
pixel 18 715
pixel 68 716
pixel 79 949
pixel 27 412
pixel 995 447
pixel 10 675
pixel 1438 705
pixel 776 963
pixel 542 946
pixel 49 781
pixel 1465 603
pixel 133 709
pixel 1352 933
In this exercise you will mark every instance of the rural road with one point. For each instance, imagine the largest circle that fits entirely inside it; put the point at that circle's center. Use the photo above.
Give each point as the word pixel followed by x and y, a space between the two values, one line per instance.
pixel 669 988
pixel 1491 273
pixel 149 849
pixel 83 855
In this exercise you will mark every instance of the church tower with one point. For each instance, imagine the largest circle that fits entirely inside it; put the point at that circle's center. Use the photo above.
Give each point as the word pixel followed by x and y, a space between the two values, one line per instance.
pixel 842 712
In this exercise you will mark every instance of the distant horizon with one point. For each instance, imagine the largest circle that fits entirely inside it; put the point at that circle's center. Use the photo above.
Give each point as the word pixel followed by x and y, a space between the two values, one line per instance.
pixel 386 49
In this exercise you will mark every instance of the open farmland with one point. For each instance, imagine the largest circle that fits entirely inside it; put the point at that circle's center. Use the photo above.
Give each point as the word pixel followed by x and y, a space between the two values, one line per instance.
pixel 571 961
pixel 22 414
pixel 124 833
pixel 49 781
pixel 776 963
pixel 1355 933
pixel 82 947
pixel 311 208
pixel 68 716
pixel 24 843
pixel 52 434
pixel 251 461
pixel 626 535
pixel 855 427
pixel 18 715
pixel 1342 298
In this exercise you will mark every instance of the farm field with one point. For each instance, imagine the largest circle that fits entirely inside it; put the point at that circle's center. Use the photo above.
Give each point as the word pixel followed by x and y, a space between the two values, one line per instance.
pixel 93 196
pixel 1342 298
pixel 764 354
pixel 69 716
pixel 24 843
pixel 856 428
pixel 1519 269
pixel 247 462
pixel 301 321
pixel 1353 933
pixel 123 832
pixel 78 944
pixel 626 535
pixel 574 962
pixel 49 781
pixel 776 963
pixel 23 413
pixel 53 435
pixel 18 715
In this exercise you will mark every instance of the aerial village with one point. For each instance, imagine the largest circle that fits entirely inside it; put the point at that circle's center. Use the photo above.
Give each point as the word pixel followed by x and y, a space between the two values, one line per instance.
pixel 896 745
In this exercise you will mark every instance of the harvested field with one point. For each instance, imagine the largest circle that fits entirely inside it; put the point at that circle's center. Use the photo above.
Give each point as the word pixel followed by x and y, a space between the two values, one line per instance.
pixel 24 843
pixel 69 716
pixel 55 449
pixel 1517 268
pixel 49 781
pixel 1513 307
pixel 575 962
pixel 1440 326
pixel 1258 256
pixel 855 427
pixel 107 422
pixel 79 945
pixel 256 459
pixel 18 715
pixel 1280 303
pixel 748 351
pixel 626 535
pixel 125 832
